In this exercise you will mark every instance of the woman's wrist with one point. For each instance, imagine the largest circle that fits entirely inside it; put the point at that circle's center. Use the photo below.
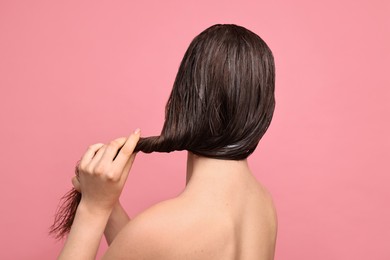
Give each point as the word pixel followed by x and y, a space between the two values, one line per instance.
pixel 93 209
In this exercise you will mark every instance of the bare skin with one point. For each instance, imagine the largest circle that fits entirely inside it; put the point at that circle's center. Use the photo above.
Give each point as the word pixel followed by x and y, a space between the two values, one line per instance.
pixel 223 213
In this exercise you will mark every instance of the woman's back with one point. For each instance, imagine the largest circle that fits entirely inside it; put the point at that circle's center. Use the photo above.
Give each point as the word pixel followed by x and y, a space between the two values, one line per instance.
pixel 213 218
pixel 240 226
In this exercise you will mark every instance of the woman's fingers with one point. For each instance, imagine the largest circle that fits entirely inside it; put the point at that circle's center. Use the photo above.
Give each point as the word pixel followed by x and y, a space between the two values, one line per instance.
pixel 126 153
pixel 95 152
pixel 98 156
pixel 112 159
pixel 89 154
pixel 128 165
pixel 107 151
pixel 113 147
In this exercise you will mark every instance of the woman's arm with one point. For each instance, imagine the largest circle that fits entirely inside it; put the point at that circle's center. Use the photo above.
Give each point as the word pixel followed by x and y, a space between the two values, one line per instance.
pixel 87 231
pixel 102 174
pixel 84 237
pixel 118 219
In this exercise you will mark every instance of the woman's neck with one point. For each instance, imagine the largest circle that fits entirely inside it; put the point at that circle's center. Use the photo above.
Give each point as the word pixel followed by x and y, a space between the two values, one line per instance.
pixel 215 176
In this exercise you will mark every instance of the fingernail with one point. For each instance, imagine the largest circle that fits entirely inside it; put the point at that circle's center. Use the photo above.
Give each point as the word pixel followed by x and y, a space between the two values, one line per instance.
pixel 136 131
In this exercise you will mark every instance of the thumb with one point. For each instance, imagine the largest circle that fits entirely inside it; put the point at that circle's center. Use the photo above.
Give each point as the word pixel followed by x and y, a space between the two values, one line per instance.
pixel 76 184
pixel 128 165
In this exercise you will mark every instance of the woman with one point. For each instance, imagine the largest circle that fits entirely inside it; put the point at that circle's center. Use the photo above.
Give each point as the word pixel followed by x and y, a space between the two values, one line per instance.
pixel 221 105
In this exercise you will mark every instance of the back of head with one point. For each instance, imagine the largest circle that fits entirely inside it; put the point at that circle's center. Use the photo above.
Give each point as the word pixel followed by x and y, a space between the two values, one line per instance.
pixel 220 106
pixel 222 99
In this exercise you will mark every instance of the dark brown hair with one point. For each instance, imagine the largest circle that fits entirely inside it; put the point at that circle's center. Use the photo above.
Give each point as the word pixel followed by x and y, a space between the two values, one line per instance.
pixel 220 106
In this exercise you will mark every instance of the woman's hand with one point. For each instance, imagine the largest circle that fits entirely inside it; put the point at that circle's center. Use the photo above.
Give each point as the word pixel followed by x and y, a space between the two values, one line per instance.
pixel 101 175
pixel 103 171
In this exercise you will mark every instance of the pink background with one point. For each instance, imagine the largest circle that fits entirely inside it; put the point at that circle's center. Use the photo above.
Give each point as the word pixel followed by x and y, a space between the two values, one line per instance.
pixel 74 73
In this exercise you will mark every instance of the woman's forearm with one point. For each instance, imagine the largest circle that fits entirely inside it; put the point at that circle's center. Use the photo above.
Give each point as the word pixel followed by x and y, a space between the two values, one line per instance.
pixel 118 219
pixel 85 235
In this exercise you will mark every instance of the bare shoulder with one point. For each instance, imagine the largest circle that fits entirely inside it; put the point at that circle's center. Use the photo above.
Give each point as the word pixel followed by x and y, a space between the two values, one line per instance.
pixel 267 206
pixel 167 230
pixel 188 228
pixel 147 235
pixel 268 215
